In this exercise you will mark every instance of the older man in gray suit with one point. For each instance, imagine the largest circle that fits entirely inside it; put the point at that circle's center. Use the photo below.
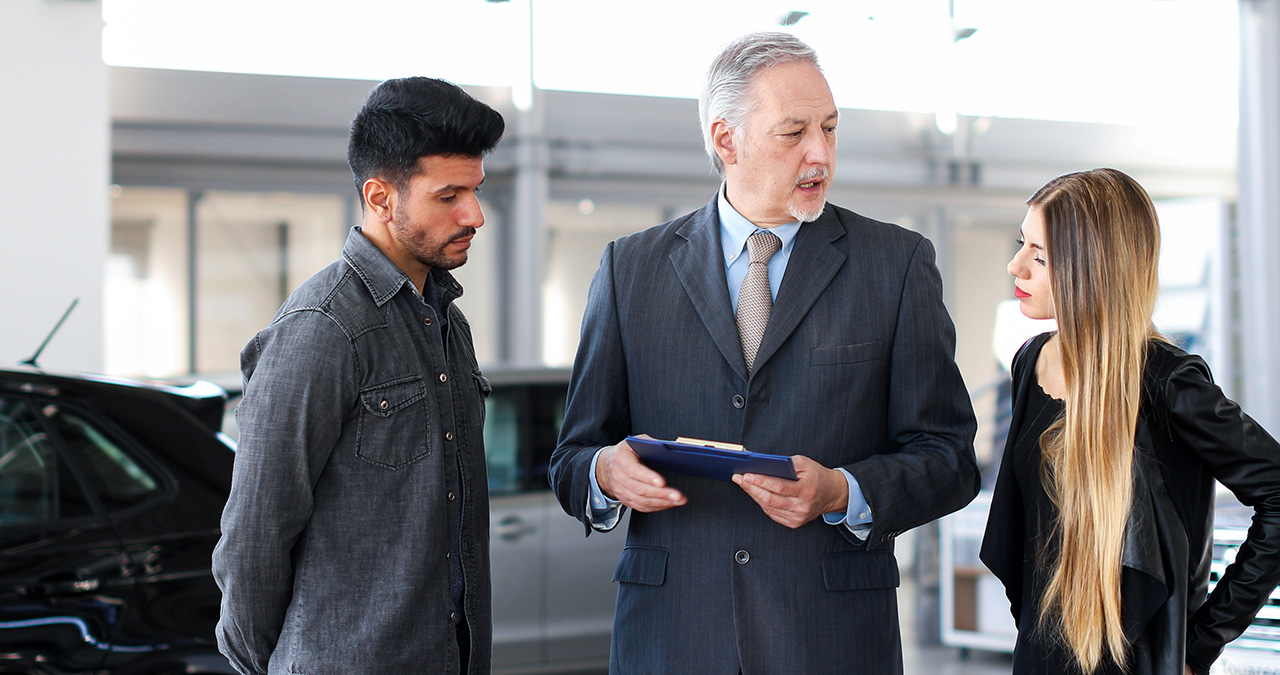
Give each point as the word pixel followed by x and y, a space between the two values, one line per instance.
pixel 771 319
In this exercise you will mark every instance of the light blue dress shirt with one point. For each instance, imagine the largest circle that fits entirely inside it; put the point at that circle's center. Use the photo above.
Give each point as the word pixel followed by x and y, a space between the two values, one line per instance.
pixel 734 231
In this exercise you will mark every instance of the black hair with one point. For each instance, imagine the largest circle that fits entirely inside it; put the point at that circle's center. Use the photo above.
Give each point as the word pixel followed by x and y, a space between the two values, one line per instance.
pixel 408 118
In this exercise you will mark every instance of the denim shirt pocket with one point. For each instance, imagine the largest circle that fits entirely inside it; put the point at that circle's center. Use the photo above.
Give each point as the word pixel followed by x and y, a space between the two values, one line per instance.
pixel 482 383
pixel 485 388
pixel 394 425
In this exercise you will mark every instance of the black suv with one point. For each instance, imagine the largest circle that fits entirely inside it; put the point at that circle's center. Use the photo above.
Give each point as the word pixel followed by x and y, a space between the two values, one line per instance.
pixel 110 497
pixel 104 561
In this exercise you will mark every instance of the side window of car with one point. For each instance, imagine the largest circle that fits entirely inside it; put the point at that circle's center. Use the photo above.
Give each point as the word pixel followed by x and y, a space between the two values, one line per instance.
pixel 522 422
pixel 118 479
pixel 502 441
pixel 545 421
pixel 34 484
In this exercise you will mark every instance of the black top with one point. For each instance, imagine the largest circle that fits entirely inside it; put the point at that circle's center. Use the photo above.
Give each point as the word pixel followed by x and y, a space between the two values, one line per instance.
pixel 1038 651
pixel 1188 433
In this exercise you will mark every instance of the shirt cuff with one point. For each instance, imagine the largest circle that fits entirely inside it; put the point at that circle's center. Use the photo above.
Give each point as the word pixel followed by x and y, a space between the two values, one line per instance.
pixel 603 513
pixel 857 518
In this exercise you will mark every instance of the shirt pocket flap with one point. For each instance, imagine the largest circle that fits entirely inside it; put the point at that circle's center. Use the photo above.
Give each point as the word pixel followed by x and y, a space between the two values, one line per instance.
pixel 859 570
pixel 642 565
pixel 385 399
pixel 864 351
pixel 483 383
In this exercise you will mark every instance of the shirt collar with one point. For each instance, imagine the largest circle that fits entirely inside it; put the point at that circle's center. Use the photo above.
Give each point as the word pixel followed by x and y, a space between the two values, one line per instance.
pixel 735 228
pixel 382 277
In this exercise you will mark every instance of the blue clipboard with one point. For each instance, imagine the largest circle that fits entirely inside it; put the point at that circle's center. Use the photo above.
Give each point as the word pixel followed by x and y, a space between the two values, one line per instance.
pixel 708 461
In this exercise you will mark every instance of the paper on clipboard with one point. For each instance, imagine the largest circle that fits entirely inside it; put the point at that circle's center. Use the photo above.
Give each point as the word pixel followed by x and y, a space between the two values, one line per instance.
pixel 709 459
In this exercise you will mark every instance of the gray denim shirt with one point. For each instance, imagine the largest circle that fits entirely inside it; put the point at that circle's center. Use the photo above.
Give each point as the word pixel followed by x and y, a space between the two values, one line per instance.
pixel 360 438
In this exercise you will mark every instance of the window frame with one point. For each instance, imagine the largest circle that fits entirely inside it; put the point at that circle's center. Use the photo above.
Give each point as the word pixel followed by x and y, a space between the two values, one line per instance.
pixel 165 482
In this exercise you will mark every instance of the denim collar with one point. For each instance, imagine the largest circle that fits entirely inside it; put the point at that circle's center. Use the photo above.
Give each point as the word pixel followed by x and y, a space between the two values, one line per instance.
pixel 383 278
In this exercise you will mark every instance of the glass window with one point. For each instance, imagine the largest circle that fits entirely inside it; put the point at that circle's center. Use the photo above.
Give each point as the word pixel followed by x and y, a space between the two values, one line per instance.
pixel 502 441
pixel 251 249
pixel 33 484
pixel 117 478
pixel 522 423
pixel 546 418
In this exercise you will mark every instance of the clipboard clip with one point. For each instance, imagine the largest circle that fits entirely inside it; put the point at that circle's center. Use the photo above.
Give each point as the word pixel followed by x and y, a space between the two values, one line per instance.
pixel 712 444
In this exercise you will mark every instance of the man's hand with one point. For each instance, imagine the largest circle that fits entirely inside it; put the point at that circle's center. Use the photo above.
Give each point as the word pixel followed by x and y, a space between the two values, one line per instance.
pixel 793 503
pixel 623 477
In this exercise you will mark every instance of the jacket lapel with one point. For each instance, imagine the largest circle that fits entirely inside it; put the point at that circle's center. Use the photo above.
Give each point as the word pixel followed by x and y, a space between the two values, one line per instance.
pixel 814 262
pixel 698 264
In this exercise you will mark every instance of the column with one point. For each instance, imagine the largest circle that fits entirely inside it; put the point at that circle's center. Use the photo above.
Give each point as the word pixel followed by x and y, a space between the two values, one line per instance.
pixel 1259 212
pixel 54 216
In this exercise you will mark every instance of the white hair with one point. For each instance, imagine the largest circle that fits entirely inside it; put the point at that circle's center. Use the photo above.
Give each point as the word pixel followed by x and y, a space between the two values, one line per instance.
pixel 727 92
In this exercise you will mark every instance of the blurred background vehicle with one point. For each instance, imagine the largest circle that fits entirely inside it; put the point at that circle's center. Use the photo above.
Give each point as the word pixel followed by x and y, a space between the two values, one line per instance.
pixel 552 598
pixel 110 496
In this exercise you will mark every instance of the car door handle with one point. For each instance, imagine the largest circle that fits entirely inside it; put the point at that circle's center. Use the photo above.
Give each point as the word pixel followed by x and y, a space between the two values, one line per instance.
pixel 512 528
pixel 56 587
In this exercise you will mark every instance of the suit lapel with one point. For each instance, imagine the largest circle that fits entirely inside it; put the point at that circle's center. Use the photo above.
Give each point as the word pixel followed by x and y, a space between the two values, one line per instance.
pixel 698 264
pixel 814 262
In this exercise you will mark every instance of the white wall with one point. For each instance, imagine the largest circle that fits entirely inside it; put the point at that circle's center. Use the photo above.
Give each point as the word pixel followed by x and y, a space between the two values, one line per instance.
pixel 575 241
pixel 980 282
pixel 145 287
pixel 480 281
pixel 54 141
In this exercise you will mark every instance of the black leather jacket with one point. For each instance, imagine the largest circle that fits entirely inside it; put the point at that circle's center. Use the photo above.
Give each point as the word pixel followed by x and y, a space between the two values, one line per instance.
pixel 1188 434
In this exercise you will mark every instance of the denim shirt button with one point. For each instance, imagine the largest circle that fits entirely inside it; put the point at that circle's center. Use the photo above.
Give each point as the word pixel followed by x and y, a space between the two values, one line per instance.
pixel 444 377
pixel 452 496
pixel 448 435
pixel 426 321
pixel 384 404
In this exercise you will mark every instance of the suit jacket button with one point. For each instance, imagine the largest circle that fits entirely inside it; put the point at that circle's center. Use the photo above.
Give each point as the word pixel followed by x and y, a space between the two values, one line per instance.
pixel 742 557
pixel 738 401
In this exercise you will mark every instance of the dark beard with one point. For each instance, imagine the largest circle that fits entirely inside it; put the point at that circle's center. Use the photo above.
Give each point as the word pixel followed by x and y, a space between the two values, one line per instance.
pixel 436 259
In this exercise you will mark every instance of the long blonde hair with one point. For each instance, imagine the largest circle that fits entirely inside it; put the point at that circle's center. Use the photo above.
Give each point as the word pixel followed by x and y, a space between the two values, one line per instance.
pixel 1103 241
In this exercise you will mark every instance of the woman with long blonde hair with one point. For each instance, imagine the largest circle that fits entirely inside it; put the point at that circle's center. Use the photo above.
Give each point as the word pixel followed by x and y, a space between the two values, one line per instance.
pixel 1101 523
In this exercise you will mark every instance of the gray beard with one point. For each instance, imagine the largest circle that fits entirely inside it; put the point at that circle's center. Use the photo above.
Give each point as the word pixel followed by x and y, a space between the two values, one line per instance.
pixel 805 216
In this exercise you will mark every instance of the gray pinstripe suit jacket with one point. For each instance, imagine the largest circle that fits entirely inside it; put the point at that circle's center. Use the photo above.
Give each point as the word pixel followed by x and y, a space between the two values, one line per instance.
pixel 856 369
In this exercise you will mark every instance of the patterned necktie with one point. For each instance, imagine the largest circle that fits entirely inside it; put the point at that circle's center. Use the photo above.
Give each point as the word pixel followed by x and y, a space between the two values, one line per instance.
pixel 755 301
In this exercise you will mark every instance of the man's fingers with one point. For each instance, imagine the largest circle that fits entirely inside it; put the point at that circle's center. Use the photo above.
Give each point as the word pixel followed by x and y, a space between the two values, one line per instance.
pixel 654 505
pixel 638 486
pixel 628 464
pixel 791 510
pixel 647 501
pixel 774 485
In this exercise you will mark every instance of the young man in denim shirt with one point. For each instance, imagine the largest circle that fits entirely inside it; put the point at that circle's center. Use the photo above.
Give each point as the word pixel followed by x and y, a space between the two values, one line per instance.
pixel 356 536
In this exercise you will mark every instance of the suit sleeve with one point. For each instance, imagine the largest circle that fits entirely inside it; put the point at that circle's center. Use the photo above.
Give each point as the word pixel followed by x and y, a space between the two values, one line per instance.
pixel 597 412
pixel 930 469
pixel 298 373
pixel 1243 457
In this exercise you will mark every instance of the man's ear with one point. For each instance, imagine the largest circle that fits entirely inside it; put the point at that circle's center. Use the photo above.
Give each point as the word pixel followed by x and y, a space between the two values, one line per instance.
pixel 724 141
pixel 379 198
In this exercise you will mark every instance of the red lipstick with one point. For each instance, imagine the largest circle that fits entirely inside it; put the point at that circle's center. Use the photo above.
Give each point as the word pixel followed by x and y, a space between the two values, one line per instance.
pixel 1019 293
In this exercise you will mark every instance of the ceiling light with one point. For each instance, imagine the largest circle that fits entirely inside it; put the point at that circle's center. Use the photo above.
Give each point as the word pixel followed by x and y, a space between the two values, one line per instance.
pixel 791 18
